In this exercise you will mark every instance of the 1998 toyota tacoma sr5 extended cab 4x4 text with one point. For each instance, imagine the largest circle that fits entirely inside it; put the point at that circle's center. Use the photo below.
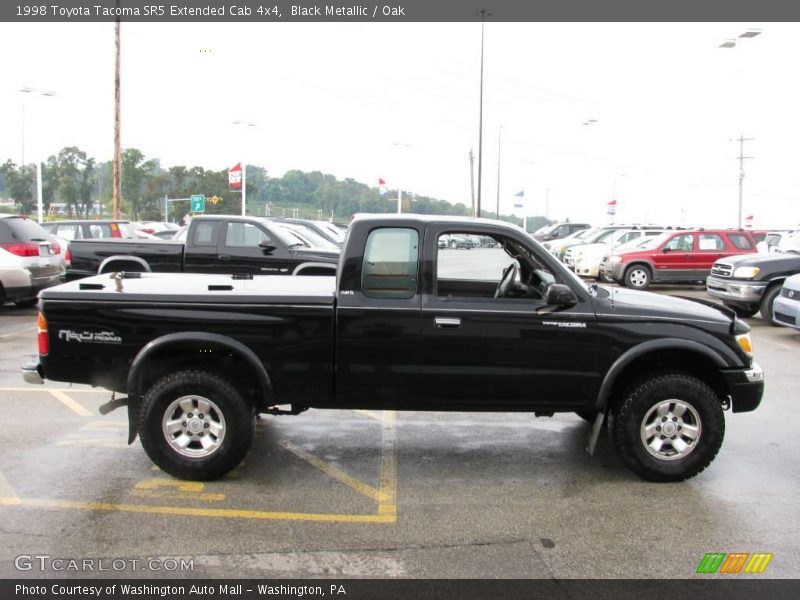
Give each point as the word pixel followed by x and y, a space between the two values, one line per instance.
pixel 402 326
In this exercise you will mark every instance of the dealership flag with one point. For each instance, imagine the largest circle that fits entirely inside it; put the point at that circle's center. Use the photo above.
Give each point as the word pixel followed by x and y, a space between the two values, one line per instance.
pixel 612 208
pixel 748 221
pixel 235 177
pixel 382 189
pixel 521 195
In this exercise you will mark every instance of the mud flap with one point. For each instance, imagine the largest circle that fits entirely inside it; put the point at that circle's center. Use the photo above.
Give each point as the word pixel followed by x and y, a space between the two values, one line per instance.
pixel 595 434
pixel 133 418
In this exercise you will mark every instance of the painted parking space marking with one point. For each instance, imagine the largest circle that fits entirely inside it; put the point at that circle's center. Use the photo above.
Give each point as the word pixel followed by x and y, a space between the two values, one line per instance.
pixel 8 496
pixel 335 473
pixel 99 434
pixel 32 389
pixel 113 434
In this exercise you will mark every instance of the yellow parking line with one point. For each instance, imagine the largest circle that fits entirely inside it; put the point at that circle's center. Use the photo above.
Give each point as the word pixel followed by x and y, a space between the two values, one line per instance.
pixel 370 413
pixel 70 403
pixel 339 475
pixel 387 506
pixel 224 513
pixel 8 496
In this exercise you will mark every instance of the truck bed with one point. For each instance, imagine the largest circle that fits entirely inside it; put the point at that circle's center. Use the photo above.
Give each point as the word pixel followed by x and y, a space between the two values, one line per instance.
pixel 197 288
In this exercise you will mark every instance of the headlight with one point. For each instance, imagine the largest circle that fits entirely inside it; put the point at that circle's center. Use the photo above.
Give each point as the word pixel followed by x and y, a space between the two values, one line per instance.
pixel 615 259
pixel 745 343
pixel 746 272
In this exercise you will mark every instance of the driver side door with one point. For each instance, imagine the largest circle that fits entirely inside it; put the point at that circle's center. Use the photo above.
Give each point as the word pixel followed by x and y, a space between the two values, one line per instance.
pixel 478 351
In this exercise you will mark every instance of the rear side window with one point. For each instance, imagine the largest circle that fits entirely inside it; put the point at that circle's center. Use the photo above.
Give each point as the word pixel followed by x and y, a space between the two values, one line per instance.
pixel 740 241
pixel 19 229
pixel 710 242
pixel 390 263
pixel 205 234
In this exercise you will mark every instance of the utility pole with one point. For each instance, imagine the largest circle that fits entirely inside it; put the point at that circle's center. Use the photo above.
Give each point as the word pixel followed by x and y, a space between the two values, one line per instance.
pixel 499 140
pixel 472 179
pixel 483 13
pixel 547 204
pixel 742 158
pixel 117 190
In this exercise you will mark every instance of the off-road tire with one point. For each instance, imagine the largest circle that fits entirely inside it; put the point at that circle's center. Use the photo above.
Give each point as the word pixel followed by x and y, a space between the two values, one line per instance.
pixel 743 311
pixel 239 419
pixel 626 418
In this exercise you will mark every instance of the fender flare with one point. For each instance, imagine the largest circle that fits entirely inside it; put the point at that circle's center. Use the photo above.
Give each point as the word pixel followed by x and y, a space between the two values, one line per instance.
pixel 308 265
pixel 134 383
pixel 127 258
pixel 645 348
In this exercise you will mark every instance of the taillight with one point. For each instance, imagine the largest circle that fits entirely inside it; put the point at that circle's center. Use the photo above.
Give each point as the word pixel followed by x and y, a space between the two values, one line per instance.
pixel 44 342
pixel 115 230
pixel 68 258
pixel 22 249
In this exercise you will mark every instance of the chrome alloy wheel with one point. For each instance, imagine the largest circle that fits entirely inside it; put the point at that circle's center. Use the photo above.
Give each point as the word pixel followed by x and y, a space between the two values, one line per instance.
pixel 193 426
pixel 671 429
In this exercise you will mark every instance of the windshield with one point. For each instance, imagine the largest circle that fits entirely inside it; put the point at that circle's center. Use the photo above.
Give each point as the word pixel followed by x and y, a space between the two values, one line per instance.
pixel 310 236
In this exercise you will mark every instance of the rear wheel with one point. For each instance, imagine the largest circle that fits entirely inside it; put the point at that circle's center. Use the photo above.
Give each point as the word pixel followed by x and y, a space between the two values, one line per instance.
pixel 667 427
pixel 195 425
pixel 637 277
pixel 767 302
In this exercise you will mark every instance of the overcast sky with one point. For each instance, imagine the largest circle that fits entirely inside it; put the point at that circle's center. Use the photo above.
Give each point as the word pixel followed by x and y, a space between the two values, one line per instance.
pixel 400 101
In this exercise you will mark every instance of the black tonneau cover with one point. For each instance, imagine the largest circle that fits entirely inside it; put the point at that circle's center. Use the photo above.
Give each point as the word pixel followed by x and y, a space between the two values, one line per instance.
pixel 197 288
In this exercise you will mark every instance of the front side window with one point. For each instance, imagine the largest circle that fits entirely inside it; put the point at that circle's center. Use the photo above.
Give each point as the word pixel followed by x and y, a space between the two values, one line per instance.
pixel 390 263
pixel 498 269
pixel 680 243
pixel 244 235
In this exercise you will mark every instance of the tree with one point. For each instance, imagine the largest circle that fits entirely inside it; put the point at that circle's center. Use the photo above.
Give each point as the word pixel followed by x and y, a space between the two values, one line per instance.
pixel 19 185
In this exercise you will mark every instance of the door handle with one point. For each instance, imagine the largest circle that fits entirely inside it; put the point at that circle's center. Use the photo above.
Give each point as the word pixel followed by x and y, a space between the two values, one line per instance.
pixel 224 257
pixel 447 322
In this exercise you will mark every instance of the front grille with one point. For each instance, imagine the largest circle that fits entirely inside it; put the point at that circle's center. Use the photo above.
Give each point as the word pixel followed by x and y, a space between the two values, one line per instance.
pixel 790 293
pixel 784 318
pixel 722 270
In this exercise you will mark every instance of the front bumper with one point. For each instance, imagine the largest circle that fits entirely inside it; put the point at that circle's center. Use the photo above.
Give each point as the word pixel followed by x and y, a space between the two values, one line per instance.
pixel 745 292
pixel 746 388
pixel 787 311
pixel 611 270
pixel 32 372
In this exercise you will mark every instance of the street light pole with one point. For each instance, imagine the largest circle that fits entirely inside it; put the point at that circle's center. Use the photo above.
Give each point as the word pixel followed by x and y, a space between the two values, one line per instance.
pixel 39 199
pixel 499 141
pixel 742 158
pixel 483 13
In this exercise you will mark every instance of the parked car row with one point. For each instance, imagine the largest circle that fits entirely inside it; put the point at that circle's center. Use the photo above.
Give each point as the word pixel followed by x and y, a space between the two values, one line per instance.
pixel 30 260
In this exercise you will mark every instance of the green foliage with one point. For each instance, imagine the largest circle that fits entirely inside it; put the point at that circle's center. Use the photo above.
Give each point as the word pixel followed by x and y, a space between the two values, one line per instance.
pixel 73 178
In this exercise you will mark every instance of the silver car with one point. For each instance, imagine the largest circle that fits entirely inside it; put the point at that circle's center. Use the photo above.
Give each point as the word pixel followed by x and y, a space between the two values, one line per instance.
pixel 30 260
pixel 786 308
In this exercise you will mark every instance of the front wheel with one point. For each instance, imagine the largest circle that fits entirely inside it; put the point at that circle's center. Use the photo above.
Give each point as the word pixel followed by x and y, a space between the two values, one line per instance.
pixel 667 427
pixel 743 312
pixel 195 425
pixel 637 277
pixel 767 304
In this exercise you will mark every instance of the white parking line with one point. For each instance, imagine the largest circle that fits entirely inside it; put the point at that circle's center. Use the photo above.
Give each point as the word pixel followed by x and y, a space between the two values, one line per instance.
pixel 70 403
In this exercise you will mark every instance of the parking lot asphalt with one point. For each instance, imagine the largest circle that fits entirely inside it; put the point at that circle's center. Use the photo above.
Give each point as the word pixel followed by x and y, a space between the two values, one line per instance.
pixel 383 494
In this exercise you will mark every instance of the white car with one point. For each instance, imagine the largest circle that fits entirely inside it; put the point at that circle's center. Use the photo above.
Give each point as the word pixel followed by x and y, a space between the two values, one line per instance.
pixel 30 260
pixel 586 258
pixel 556 246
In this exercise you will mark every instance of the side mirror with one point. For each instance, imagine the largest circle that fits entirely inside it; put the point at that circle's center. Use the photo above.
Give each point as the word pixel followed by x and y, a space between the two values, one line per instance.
pixel 560 295
pixel 266 247
pixel 667 249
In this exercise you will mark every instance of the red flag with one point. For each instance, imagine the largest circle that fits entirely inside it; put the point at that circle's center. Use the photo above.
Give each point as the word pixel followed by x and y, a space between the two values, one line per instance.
pixel 381 186
pixel 235 177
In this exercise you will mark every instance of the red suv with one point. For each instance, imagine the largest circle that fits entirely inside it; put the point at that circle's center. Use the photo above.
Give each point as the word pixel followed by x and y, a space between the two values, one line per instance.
pixel 676 256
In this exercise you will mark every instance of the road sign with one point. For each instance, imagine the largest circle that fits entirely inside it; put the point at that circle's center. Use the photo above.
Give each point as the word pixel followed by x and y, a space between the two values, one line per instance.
pixel 198 203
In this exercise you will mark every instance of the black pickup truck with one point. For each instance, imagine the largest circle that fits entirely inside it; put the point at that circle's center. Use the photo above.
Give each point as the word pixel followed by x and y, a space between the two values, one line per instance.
pixel 750 283
pixel 402 326
pixel 213 244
